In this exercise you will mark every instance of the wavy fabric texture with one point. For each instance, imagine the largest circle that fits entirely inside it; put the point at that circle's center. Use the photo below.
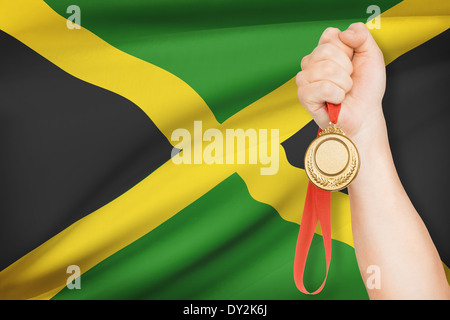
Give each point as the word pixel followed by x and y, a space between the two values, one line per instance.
pixel 103 147
pixel 240 251
pixel 231 52
pixel 218 64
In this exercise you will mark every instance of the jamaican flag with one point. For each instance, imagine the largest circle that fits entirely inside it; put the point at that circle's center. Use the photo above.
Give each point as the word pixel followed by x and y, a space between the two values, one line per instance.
pixel 86 117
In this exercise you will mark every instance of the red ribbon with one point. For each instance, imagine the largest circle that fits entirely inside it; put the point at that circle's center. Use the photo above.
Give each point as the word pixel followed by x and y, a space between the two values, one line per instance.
pixel 317 209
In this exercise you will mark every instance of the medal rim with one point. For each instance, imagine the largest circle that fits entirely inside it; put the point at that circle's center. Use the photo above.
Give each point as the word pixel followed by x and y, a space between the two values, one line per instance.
pixel 343 137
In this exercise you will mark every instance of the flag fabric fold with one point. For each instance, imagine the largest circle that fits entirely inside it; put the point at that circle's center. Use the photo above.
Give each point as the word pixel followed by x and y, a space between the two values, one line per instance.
pixel 87 117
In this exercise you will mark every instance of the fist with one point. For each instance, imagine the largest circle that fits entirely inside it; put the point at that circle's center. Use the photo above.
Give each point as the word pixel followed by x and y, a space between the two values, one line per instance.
pixel 345 68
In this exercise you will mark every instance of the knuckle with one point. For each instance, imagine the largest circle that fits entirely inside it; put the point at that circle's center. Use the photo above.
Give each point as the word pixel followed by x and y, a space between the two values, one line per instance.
pixel 349 67
pixel 332 93
pixel 339 95
pixel 300 78
pixel 349 85
pixel 304 62
pixel 328 69
pixel 329 33
pixel 330 30
pixel 301 95
pixel 326 51
pixel 327 89
pixel 305 97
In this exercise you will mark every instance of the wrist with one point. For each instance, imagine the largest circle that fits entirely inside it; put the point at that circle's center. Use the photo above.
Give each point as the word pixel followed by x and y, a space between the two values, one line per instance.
pixel 371 136
pixel 375 154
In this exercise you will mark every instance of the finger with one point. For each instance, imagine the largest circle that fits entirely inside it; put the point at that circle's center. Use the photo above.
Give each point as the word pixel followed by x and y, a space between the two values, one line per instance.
pixel 331 35
pixel 305 61
pixel 331 71
pixel 359 38
pixel 329 51
pixel 314 95
pixel 300 79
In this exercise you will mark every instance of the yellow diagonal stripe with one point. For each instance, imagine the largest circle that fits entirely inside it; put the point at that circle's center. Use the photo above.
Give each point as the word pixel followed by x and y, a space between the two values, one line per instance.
pixel 166 99
pixel 84 55
pixel 398 34
pixel 41 273
pixel 409 24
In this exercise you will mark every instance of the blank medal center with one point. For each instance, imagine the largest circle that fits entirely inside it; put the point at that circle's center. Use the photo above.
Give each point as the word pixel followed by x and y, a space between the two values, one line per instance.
pixel 332 156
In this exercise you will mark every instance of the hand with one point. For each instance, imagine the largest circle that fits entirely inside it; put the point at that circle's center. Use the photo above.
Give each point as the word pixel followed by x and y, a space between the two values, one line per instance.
pixel 347 68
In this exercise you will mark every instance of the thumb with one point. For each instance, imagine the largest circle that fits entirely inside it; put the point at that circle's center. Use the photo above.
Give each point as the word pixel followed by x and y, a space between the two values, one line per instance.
pixel 369 75
pixel 358 37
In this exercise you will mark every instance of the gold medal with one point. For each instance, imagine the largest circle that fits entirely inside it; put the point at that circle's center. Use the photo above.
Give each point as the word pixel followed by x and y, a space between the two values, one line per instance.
pixel 332 160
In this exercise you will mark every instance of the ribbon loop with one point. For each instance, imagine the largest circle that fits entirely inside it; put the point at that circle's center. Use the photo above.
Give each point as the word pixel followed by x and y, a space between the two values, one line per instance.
pixel 333 111
pixel 317 209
